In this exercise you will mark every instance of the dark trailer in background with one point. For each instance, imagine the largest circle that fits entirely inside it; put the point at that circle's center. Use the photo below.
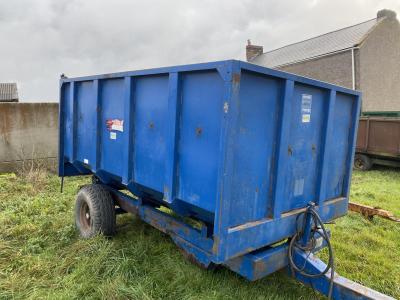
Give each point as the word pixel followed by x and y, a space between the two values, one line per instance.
pixel 378 142
pixel 228 158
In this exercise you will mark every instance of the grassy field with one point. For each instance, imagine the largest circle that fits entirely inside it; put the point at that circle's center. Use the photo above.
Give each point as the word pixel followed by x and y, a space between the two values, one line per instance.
pixel 41 255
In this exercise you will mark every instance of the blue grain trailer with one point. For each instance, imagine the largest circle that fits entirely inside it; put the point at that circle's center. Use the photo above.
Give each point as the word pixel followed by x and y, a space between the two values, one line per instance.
pixel 250 161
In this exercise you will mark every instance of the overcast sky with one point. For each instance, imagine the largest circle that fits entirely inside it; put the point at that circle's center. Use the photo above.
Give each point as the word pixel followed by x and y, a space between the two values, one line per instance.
pixel 40 39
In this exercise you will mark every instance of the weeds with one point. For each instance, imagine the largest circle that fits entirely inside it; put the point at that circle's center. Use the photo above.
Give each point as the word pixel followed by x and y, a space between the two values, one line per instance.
pixel 41 256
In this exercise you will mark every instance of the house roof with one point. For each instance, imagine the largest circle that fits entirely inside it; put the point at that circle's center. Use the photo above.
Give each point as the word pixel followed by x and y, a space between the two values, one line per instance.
pixel 331 42
pixel 8 92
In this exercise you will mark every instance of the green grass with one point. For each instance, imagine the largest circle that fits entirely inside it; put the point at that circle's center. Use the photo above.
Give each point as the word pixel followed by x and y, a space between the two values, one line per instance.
pixel 379 187
pixel 41 255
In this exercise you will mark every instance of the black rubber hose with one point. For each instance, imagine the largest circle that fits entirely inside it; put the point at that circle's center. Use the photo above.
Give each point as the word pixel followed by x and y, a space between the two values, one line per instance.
pixel 294 243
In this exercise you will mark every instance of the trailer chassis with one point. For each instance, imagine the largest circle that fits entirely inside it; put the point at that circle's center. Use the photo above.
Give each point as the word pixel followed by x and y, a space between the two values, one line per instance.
pixel 197 244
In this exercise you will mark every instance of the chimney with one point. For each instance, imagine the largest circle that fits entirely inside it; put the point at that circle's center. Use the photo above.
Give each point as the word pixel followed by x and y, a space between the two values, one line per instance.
pixel 252 51
pixel 386 13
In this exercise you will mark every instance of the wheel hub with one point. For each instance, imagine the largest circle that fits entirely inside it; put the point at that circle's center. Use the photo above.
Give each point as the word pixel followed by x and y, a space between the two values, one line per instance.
pixel 84 216
pixel 359 163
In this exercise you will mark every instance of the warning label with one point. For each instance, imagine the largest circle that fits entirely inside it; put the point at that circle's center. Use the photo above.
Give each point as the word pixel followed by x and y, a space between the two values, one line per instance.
pixel 306 103
pixel 115 124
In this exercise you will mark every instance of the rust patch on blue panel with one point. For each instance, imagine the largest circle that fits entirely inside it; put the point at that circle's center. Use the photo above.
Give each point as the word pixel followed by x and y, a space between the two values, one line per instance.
pixel 215 245
pixel 199 131
pixel 236 78
pixel 259 268
pixel 126 205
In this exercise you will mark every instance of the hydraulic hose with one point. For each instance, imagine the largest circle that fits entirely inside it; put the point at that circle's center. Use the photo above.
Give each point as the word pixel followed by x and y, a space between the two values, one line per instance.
pixel 296 242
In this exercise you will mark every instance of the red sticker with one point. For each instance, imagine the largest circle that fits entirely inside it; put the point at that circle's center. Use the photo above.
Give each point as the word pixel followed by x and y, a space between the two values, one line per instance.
pixel 115 124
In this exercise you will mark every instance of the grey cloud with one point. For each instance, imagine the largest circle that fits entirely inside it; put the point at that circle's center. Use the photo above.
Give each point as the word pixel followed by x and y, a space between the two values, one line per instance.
pixel 42 38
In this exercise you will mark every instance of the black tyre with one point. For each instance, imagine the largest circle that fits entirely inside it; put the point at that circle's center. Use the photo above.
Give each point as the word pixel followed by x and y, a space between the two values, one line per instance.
pixel 362 162
pixel 94 211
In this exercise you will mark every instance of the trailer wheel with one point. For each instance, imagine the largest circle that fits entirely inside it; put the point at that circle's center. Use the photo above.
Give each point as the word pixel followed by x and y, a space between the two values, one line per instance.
pixel 94 211
pixel 362 162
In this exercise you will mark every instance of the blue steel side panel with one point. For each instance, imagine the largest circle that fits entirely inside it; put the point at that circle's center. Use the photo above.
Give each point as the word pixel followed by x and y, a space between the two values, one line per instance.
pixel 151 114
pixel 67 115
pixel 172 137
pixel 202 108
pixel 282 146
pixel 304 146
pixel 98 125
pixel 129 129
pixel 112 99
pixel 339 146
pixel 305 143
pixel 327 139
pixel 254 147
pixel 86 123
pixel 225 160
pixel 245 238
pixel 215 114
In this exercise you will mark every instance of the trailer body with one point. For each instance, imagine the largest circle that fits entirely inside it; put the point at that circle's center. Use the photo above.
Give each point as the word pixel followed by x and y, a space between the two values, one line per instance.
pixel 225 157
pixel 378 138
pixel 238 147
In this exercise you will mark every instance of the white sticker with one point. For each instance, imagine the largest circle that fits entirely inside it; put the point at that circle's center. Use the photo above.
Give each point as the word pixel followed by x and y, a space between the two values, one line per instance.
pixel 115 124
pixel 298 187
pixel 226 107
pixel 118 127
pixel 306 103
pixel 113 135
pixel 306 118
pixel 85 161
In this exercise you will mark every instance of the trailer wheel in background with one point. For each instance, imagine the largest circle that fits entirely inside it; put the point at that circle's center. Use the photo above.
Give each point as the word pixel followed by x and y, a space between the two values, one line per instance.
pixel 94 211
pixel 362 162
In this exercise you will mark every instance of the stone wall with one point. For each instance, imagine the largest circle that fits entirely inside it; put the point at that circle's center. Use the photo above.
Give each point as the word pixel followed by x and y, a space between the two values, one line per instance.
pixel 334 69
pixel 380 68
pixel 28 132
